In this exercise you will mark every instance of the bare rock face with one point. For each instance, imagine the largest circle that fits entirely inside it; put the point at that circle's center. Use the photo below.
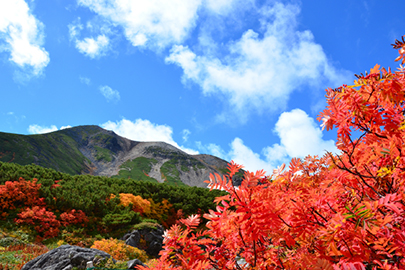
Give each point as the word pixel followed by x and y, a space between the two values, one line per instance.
pixel 64 257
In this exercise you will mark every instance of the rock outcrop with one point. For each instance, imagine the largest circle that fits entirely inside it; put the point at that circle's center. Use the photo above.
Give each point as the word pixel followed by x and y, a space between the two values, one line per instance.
pixel 64 257
pixel 149 238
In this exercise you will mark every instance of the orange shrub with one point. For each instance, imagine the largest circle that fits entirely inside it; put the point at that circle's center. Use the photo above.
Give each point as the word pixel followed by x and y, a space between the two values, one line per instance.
pixel 162 212
pixel 138 203
pixel 119 250
pixel 19 193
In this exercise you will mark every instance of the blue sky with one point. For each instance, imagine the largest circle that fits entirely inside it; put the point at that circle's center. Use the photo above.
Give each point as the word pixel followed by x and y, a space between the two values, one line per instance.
pixel 242 80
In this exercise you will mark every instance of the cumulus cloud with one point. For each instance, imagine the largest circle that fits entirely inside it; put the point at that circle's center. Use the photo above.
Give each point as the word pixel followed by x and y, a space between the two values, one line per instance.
pixel 89 46
pixel 23 36
pixel 109 93
pixel 93 47
pixel 220 7
pixel 37 129
pixel 155 23
pixel 299 136
pixel 262 69
pixel 144 130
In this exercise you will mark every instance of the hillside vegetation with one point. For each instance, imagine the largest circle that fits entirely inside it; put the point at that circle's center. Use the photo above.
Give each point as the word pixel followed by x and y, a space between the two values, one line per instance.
pixel 96 151
pixel 98 200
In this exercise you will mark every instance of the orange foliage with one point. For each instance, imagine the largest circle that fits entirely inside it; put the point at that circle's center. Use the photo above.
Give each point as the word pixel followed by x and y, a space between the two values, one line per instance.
pixel 19 193
pixel 162 212
pixel 119 250
pixel 138 203
pixel 343 211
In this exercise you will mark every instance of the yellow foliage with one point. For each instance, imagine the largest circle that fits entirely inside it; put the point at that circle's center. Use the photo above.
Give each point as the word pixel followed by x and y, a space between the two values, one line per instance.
pixel 60 242
pixel 119 250
pixel 138 203
pixel 159 211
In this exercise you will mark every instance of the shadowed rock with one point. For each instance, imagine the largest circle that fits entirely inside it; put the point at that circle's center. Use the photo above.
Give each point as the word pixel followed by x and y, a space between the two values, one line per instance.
pixel 64 258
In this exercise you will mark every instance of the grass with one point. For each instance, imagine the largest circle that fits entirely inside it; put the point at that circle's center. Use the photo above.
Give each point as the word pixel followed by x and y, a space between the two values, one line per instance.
pixel 53 150
pixel 103 154
pixel 185 161
pixel 137 169
pixel 171 174
pixel 14 257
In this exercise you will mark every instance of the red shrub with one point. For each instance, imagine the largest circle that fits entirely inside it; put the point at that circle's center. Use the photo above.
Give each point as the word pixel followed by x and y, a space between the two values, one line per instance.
pixel 73 217
pixel 43 221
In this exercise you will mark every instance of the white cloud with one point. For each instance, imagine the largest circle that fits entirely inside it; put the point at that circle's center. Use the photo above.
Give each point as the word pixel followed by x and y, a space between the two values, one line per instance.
pixel 109 93
pixel 93 48
pixel 220 6
pixel 154 23
pixel 37 129
pixel 75 28
pixel 261 69
pixel 299 137
pixel 186 133
pixel 23 35
pixel 90 46
pixel 13 115
pixel 144 130
pixel 85 80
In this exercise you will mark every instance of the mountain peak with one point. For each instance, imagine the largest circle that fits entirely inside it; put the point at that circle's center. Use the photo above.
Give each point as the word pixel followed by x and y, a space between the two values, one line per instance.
pixel 90 149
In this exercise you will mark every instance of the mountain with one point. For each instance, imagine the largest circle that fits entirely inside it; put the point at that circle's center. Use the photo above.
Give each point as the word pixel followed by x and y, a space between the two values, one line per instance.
pixel 96 151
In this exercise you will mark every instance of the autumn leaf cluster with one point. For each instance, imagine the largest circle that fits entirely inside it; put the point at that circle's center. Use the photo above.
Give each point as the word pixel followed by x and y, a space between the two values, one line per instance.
pixel 339 211
pixel 119 250
pixel 24 197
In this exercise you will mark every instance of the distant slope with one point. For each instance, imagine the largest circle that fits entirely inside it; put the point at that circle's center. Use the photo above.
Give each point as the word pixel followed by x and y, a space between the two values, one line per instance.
pixel 53 150
pixel 96 151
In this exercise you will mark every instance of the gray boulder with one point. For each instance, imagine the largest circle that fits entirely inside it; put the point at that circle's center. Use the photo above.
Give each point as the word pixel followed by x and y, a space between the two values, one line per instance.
pixel 153 237
pixel 64 258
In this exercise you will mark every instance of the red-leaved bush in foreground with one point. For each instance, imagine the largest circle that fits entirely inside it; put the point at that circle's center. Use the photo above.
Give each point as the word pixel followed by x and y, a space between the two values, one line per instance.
pixel 19 193
pixel 74 217
pixel 44 222
pixel 343 211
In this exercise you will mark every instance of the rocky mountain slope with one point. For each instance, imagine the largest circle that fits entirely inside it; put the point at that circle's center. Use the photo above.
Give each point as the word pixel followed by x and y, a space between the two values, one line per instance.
pixel 96 151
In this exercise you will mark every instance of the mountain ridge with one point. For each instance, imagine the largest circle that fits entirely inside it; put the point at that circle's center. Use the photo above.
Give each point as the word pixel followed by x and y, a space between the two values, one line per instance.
pixel 93 150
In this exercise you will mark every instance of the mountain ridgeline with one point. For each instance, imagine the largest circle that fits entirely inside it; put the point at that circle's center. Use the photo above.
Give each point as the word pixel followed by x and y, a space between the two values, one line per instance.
pixel 96 151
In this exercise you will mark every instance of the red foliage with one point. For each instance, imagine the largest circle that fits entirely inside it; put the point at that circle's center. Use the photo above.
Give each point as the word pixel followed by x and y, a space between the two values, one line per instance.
pixel 56 184
pixel 74 217
pixel 343 211
pixel 44 222
pixel 19 193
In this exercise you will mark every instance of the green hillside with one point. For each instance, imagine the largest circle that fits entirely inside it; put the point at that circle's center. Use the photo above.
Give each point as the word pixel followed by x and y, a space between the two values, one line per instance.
pixel 55 150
